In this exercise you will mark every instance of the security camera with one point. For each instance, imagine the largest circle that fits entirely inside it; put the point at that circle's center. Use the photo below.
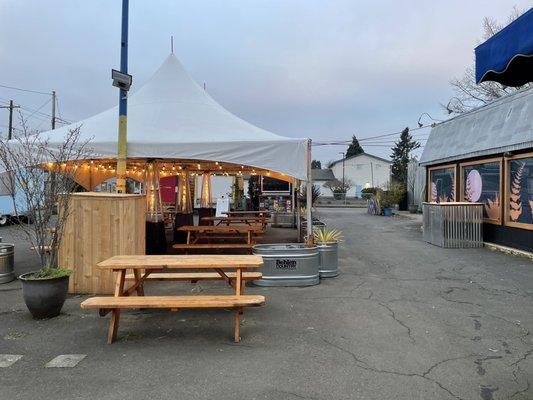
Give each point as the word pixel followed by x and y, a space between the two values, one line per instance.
pixel 121 80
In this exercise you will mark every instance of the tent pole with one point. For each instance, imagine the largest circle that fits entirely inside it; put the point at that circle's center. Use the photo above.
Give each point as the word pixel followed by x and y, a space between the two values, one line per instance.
pixel 309 197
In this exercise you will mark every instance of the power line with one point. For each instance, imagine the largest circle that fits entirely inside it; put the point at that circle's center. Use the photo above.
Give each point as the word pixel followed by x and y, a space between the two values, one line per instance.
pixel 25 90
pixel 347 142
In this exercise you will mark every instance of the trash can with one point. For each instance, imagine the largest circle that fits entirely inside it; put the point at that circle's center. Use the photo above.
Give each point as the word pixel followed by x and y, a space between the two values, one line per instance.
pixel 7 262
pixel 288 264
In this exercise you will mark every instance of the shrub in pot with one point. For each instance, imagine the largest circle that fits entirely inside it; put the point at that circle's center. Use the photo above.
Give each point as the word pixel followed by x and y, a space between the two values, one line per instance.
pixel 42 176
pixel 388 198
pixel 327 242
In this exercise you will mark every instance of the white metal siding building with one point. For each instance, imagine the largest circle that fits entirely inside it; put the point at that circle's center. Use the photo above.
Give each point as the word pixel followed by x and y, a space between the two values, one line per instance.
pixel 363 170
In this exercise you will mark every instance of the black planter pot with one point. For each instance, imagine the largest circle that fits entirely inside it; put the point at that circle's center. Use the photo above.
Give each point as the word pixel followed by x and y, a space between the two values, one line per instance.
pixel 44 297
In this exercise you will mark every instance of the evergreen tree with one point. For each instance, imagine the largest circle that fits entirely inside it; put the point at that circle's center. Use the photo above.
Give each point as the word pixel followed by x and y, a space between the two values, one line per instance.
pixel 354 148
pixel 401 154
pixel 316 164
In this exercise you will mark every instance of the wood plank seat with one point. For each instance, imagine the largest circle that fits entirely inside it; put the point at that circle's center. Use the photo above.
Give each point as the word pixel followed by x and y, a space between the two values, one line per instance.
pixel 212 246
pixel 196 276
pixel 173 302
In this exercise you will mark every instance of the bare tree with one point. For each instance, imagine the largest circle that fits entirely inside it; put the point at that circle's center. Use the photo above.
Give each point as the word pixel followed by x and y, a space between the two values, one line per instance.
pixel 468 94
pixel 337 186
pixel 41 179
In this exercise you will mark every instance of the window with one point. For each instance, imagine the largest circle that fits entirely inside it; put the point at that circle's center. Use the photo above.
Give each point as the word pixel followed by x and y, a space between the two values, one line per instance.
pixel 359 166
pixel 519 191
pixel 441 184
pixel 481 183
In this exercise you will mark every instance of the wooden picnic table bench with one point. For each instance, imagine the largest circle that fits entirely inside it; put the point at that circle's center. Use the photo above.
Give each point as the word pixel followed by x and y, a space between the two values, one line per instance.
pixel 213 246
pixel 210 232
pixel 228 267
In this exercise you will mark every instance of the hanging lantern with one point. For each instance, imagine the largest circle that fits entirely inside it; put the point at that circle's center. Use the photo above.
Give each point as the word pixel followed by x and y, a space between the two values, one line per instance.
pixel 205 197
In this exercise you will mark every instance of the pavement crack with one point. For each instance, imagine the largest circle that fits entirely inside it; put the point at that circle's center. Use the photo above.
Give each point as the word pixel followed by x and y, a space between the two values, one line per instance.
pixel 365 366
pixel 399 321
pixel 524 356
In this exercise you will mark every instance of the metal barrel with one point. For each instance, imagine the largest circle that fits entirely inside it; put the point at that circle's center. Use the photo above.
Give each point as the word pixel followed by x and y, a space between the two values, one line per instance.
pixel 7 262
pixel 328 266
pixel 288 264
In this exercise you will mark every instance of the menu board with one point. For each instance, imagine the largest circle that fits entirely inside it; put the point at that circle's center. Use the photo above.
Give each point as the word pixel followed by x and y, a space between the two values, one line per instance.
pixel 442 185
pixel 481 184
pixel 520 190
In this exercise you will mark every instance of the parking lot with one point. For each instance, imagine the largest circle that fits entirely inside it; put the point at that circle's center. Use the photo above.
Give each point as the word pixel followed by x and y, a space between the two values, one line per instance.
pixel 404 320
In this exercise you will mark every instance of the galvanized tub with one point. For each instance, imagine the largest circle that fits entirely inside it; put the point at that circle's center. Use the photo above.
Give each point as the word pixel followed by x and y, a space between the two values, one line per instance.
pixel 288 264
pixel 328 256
pixel 7 262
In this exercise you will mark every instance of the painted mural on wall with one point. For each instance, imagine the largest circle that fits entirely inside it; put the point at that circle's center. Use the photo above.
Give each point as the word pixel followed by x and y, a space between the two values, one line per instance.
pixel 442 185
pixel 481 184
pixel 521 190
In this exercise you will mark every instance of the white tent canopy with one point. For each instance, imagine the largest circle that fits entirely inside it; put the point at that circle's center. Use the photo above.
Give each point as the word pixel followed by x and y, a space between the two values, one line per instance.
pixel 172 117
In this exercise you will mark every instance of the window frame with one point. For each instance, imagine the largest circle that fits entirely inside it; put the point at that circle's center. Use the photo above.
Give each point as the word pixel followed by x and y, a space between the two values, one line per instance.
pixel 507 189
pixel 428 181
pixel 500 161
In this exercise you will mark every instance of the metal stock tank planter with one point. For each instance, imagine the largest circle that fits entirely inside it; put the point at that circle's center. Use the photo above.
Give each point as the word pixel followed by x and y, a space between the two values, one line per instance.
pixel 7 252
pixel 328 248
pixel 328 259
pixel 288 264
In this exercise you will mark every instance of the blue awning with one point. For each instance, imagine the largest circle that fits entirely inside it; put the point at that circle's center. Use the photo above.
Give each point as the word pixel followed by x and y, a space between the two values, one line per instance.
pixel 507 57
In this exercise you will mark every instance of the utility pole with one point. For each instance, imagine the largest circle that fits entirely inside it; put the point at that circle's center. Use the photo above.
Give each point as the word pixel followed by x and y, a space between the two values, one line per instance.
pixel 123 105
pixel 54 109
pixel 10 128
pixel 343 186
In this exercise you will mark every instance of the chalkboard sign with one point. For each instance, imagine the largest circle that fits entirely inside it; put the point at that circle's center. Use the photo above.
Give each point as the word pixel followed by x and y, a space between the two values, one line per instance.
pixel 481 184
pixel 520 191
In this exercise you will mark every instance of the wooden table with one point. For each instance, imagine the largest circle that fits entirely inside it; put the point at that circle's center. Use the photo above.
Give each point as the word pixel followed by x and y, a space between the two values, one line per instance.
pixel 250 220
pixel 264 213
pixel 143 265
pixel 210 232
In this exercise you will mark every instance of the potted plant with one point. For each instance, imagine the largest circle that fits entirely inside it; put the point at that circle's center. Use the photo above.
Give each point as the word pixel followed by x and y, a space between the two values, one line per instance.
pixel 41 177
pixel 327 242
pixel 390 197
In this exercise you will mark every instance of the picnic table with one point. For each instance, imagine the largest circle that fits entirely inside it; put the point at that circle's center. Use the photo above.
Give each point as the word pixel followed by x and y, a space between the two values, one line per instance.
pixel 229 268
pixel 196 233
pixel 246 220
pixel 264 213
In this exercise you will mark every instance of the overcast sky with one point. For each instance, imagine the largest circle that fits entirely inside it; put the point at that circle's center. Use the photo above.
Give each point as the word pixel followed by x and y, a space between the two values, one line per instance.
pixel 321 69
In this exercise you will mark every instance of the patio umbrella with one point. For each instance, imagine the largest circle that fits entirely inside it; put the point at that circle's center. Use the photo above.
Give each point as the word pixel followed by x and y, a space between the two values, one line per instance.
pixel 507 57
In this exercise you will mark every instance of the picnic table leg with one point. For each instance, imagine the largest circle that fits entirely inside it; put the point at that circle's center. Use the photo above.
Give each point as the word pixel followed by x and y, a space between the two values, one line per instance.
pixel 140 288
pixel 113 324
pixel 238 311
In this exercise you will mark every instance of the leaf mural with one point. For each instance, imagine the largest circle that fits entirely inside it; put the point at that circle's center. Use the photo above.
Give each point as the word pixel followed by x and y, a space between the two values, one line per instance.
pixel 493 208
pixel 434 196
pixel 452 192
pixel 468 190
pixel 515 204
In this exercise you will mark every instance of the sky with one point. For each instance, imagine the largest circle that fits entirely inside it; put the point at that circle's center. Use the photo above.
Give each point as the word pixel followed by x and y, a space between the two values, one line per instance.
pixel 324 69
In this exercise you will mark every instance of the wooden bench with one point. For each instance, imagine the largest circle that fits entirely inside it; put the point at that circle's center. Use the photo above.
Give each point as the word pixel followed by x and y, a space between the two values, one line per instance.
pixel 174 302
pixel 196 276
pixel 228 267
pixel 213 246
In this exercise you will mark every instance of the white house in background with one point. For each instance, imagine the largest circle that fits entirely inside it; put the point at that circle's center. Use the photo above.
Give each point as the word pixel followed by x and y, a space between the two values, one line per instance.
pixel 363 170
pixel 320 177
